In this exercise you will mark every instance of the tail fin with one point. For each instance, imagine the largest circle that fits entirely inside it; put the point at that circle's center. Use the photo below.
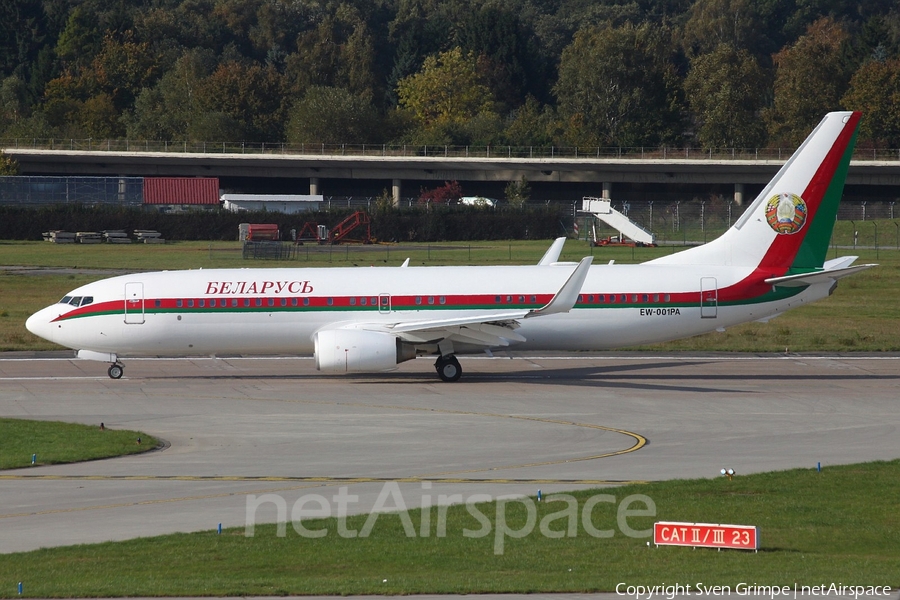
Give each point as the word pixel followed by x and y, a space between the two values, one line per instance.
pixel 788 227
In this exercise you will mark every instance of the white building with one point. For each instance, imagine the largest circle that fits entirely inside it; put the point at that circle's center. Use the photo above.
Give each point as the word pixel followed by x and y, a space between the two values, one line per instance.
pixel 282 203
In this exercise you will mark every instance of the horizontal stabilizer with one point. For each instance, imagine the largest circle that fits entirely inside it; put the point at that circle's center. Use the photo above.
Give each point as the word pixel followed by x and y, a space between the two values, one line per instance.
pixel 804 279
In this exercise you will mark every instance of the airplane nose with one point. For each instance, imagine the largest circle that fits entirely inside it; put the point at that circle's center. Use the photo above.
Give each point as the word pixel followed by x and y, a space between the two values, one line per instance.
pixel 39 324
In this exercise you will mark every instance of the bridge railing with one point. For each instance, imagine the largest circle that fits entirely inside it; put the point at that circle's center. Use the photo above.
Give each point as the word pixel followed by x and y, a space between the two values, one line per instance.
pixel 407 150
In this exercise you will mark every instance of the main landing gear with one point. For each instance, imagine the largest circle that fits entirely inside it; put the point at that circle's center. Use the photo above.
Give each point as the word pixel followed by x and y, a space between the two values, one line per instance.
pixel 116 370
pixel 448 368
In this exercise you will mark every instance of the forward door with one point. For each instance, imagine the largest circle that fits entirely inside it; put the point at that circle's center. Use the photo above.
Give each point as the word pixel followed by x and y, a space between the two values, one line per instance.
pixel 134 303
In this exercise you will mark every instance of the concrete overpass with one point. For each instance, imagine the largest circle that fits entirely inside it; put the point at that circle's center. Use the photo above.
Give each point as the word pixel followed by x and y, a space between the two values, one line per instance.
pixel 322 170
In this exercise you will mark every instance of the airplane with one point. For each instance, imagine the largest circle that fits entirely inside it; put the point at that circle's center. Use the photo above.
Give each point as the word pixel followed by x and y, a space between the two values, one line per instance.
pixel 368 319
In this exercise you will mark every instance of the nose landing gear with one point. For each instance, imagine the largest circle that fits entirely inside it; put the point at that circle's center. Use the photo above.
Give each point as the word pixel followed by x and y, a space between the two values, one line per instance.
pixel 448 368
pixel 116 370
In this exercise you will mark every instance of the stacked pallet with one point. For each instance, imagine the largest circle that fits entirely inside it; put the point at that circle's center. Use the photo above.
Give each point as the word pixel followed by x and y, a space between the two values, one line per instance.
pixel 59 237
pixel 148 236
pixel 116 237
pixel 88 237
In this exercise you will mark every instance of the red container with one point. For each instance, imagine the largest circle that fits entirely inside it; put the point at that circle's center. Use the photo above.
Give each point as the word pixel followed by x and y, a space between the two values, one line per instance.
pixel 181 190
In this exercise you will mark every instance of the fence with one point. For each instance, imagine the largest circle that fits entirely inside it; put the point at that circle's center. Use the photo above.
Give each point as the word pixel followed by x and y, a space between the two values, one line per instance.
pixel 404 150
pixel 701 221
pixel 35 191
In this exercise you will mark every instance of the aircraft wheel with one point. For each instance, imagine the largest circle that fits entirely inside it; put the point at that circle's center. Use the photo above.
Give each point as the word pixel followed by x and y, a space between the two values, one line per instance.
pixel 116 371
pixel 448 368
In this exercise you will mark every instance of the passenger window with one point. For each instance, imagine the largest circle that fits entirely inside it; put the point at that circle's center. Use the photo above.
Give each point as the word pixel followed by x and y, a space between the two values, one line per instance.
pixel 442 300
pixel 294 302
pixel 374 302
pixel 644 298
pixel 533 299
pixel 212 303
pixel 352 301
pixel 666 298
pixel 190 304
pixel 330 301
pixel 157 303
pixel 271 302
pixel 179 303
pixel 430 299
pixel 284 301
pixel 306 302
pixel 497 300
pixel 418 299
pixel 258 302
pixel 521 299
pixel 202 303
pixel 362 301
pixel 246 301
pixel 234 302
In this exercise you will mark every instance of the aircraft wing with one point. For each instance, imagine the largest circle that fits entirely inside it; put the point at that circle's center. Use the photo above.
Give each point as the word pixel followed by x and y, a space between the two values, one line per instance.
pixel 489 329
pixel 834 270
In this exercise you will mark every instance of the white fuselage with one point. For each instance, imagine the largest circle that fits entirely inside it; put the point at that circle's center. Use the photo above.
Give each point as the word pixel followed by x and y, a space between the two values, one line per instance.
pixel 278 311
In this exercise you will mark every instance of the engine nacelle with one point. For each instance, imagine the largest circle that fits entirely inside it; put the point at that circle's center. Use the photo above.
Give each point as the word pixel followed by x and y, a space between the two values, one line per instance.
pixel 358 350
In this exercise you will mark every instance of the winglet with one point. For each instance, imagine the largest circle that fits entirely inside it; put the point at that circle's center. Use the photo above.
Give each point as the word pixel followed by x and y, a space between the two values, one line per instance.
pixel 552 254
pixel 567 295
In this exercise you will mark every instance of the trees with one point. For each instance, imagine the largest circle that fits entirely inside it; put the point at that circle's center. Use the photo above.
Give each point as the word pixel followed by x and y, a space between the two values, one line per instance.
pixel 517 192
pixel 712 23
pixel 810 79
pixel 249 95
pixel 8 165
pixel 170 109
pixel 617 87
pixel 726 90
pixel 449 193
pixel 522 72
pixel 330 115
pixel 875 90
pixel 446 94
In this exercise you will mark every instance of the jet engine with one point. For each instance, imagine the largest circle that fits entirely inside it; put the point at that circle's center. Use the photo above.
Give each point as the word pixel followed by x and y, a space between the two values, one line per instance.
pixel 356 350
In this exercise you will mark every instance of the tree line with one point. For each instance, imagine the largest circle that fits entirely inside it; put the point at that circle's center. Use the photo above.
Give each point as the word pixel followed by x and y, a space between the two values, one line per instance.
pixel 619 73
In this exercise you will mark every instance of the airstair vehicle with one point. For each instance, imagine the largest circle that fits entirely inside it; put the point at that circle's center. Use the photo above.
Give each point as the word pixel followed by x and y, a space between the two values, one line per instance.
pixel 602 209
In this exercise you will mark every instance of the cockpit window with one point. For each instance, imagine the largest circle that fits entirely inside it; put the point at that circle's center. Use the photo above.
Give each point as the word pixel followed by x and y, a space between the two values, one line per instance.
pixel 77 300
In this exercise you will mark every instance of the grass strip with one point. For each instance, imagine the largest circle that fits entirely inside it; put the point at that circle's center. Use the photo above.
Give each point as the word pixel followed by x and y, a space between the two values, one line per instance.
pixel 840 525
pixel 53 442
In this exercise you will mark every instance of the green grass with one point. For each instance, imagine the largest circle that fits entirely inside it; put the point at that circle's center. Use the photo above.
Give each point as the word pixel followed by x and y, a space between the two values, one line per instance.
pixel 57 443
pixel 838 525
pixel 860 317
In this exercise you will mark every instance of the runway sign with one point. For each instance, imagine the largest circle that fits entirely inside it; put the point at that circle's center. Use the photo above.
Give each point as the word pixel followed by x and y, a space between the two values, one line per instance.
pixel 706 535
